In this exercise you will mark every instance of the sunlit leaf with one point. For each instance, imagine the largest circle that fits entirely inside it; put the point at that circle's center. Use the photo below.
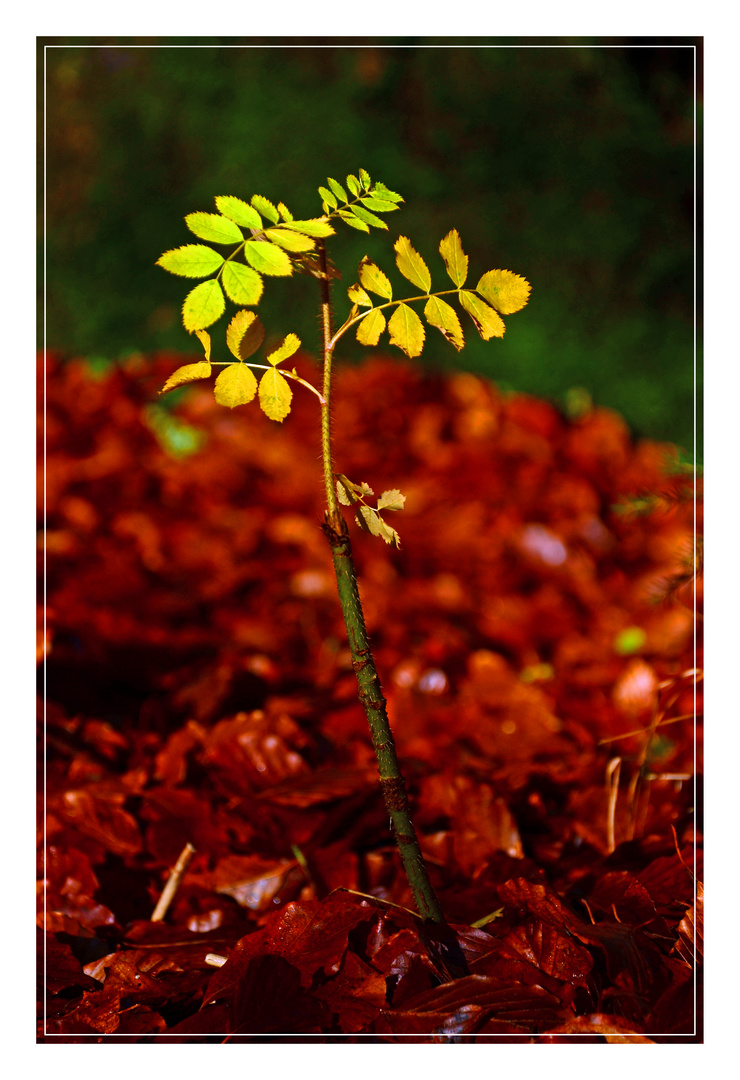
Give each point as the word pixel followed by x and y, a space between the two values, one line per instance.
pixel 358 296
pixel 242 284
pixel 349 217
pixel 267 258
pixel 328 197
pixel 370 219
pixel 239 211
pixel 285 213
pixel 275 395
pixel 383 192
pixel 391 500
pixel 370 328
pixel 214 227
pixel 371 521
pixel 338 190
pixel 314 227
pixel 244 335
pixel 203 305
pixel 354 184
pixel 205 339
pixel 192 260
pixel 290 345
pixel 236 385
pixel 373 278
pixel 488 323
pixel 504 290
pixel 264 206
pixel 411 264
pixel 406 330
pixel 289 239
pixel 456 261
pixel 439 314
pixel 365 179
pixel 383 206
pixel 187 373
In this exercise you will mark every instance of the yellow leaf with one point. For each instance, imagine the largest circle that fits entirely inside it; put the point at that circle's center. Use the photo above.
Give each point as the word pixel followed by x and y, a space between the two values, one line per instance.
pixel 373 278
pixel 275 395
pixel 456 261
pixel 411 264
pixel 236 385
pixel 245 334
pixel 504 290
pixel 205 339
pixel 188 373
pixel 439 314
pixel 371 327
pixel 406 330
pixel 289 345
pixel 487 322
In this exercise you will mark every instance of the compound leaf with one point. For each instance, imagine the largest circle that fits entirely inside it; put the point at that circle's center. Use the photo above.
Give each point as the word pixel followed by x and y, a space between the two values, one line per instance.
pixel 239 211
pixel 244 335
pixel 371 327
pixel 275 395
pixel 265 207
pixel 439 314
pixel 487 322
pixel 406 330
pixel 456 261
pixel 313 227
pixel 287 347
pixel 192 260
pixel 411 264
pixel 373 278
pixel 267 258
pixel 242 284
pixel 203 305
pixel 187 373
pixel 289 239
pixel 214 227
pixel 236 385
pixel 504 290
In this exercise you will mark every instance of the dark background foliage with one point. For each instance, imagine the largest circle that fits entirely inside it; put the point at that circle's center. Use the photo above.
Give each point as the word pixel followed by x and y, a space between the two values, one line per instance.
pixel 571 163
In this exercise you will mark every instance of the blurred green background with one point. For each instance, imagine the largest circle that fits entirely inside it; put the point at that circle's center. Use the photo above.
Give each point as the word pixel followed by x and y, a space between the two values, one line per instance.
pixel 571 165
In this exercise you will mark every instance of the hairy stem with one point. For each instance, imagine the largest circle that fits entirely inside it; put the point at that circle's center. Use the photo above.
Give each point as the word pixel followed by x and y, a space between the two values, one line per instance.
pixel 369 690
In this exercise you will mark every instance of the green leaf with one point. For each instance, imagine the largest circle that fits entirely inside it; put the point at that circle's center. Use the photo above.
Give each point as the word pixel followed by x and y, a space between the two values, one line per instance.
pixel 236 385
pixel 192 260
pixel 364 179
pixel 313 227
pixel 275 395
pixel 265 207
pixel 239 211
pixel 244 335
pixel 391 500
pixel 242 284
pixel 406 330
pixel 381 205
pixel 411 264
pixel 371 327
pixel 504 290
pixel 338 190
pixel 290 345
pixel 349 217
pixel 214 227
pixel 373 278
pixel 187 373
pixel 289 239
pixel 284 212
pixel 439 314
pixel 456 261
pixel 358 296
pixel 353 184
pixel 368 218
pixel 385 193
pixel 267 258
pixel 488 323
pixel 329 197
pixel 203 305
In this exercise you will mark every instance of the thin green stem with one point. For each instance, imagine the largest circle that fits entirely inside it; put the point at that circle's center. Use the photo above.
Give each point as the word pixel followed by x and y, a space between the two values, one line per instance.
pixel 368 682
